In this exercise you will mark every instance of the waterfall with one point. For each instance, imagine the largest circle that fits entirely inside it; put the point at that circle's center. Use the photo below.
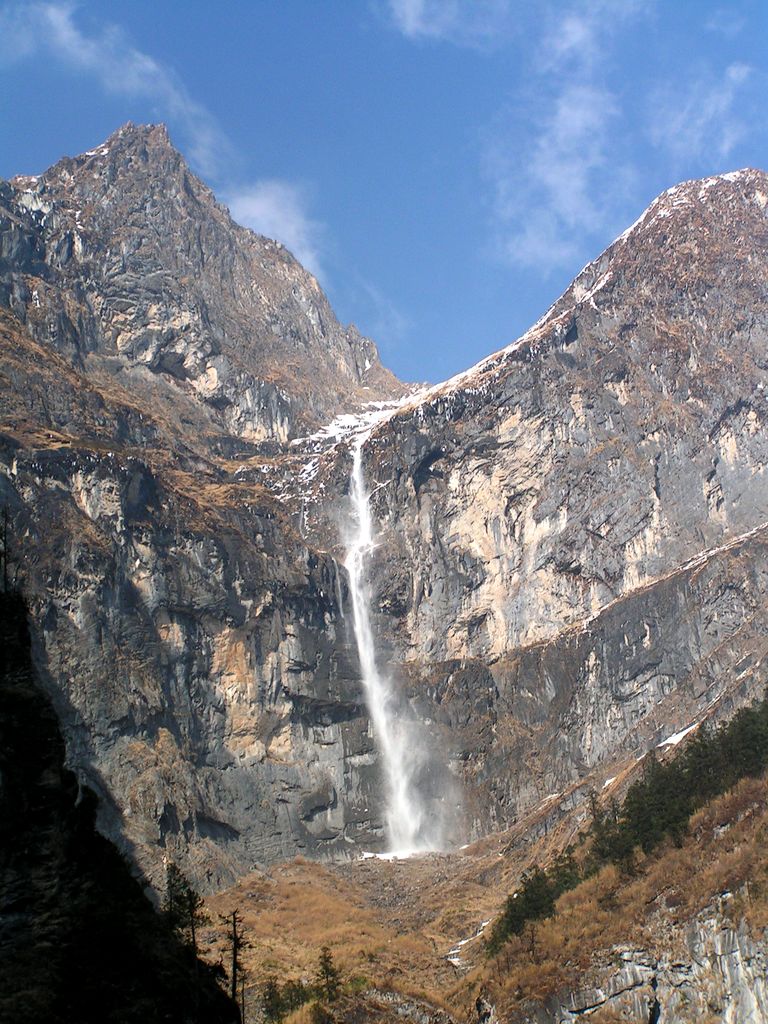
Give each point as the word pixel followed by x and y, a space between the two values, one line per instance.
pixel 411 825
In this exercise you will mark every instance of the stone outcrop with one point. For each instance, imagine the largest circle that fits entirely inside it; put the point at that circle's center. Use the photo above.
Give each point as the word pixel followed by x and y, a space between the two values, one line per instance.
pixel 188 637
pixel 716 972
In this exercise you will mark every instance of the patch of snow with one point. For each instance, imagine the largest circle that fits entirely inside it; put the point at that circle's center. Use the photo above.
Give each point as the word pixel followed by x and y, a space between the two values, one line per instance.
pixel 392 855
pixel 607 782
pixel 673 740
pixel 706 185
pixel 452 956
pixel 582 294
pixel 733 175
pixel 347 427
pixel 350 425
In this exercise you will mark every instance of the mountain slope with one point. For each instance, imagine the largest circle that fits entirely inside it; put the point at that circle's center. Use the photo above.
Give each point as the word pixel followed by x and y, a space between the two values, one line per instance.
pixel 615 440
pixel 572 561
pixel 124 261
pixel 154 356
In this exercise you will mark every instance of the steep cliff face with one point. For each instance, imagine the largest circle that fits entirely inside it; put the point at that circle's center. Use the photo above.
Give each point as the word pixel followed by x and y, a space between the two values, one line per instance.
pixel 188 637
pixel 79 940
pixel 154 357
pixel 572 559
pixel 621 436
pixel 716 972
pixel 561 525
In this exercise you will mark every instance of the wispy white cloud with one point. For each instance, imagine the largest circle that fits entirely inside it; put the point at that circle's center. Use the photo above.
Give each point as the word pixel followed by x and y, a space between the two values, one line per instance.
pixel 582 34
pixel 384 320
pixel 279 210
pixel 702 117
pixel 546 194
pixel 463 22
pixel 108 55
pixel 725 21
pixel 556 174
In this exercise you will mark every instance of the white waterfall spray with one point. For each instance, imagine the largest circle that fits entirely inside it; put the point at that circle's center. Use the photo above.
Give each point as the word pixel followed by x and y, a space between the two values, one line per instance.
pixel 411 827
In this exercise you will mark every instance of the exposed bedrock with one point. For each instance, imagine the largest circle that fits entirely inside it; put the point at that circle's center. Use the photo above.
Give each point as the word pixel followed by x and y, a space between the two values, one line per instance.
pixel 559 582
pixel 199 665
pixel 713 970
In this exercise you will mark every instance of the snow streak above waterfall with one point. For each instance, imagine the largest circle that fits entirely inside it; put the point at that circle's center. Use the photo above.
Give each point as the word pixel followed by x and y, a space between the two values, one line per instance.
pixel 408 819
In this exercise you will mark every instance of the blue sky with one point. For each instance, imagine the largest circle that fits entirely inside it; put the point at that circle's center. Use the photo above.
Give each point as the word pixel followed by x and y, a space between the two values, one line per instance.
pixel 444 166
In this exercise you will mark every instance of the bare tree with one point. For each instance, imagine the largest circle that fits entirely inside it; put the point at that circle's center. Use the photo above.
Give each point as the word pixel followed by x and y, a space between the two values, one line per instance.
pixel 237 943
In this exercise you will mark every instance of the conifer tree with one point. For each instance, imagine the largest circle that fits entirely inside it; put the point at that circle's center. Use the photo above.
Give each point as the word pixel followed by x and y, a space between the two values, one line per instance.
pixel 328 976
pixel 183 907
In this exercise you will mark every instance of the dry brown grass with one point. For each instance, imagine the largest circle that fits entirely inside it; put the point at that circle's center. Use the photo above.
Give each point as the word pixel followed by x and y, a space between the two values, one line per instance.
pixel 724 852
pixel 301 907
pixel 390 925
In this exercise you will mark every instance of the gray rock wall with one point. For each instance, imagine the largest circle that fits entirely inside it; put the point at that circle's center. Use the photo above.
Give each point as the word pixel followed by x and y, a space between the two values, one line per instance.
pixel 203 675
pixel 717 973
pixel 560 574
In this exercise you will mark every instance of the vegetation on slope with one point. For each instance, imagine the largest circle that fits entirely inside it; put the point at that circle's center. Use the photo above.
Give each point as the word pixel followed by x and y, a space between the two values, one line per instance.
pixel 723 852
pixel 299 907
pixel 657 807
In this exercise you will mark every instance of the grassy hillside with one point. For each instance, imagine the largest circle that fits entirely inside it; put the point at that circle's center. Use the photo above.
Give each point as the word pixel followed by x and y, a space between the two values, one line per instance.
pixel 723 851
pixel 391 926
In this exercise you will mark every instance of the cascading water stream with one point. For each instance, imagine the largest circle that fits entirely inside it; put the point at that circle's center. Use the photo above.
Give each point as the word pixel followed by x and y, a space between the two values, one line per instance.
pixel 407 817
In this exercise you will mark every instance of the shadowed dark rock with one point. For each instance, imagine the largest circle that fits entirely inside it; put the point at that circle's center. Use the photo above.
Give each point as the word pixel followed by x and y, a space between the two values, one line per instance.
pixel 78 938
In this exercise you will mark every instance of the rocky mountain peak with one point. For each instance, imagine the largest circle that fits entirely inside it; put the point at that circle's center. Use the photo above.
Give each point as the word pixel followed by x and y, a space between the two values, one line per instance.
pixel 571 536
pixel 138 160
pixel 697 229
pixel 608 446
pixel 123 253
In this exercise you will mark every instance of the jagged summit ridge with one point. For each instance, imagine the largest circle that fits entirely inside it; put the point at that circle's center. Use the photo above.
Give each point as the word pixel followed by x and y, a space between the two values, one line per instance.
pixel 665 325
pixel 556 519
pixel 136 260
pixel 730 207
